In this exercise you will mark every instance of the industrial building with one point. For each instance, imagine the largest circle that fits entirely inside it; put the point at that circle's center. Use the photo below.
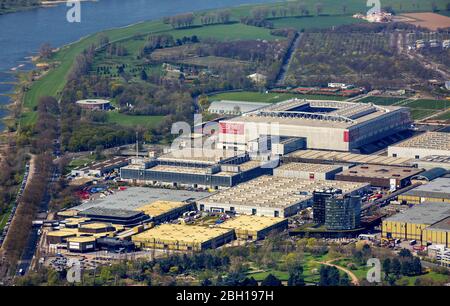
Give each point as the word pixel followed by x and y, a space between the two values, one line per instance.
pixel 100 168
pixel 162 211
pixel 273 196
pixel 335 210
pixel 328 125
pixel 56 237
pixel 428 175
pixel 134 197
pixel 95 228
pixel 254 227
pixel 423 145
pixel 81 244
pixel 344 158
pixel 94 104
pixel 116 216
pixel 176 237
pixel 196 168
pixel 421 223
pixel 307 171
pixel 380 176
pixel 225 107
pixel 434 161
pixel 437 190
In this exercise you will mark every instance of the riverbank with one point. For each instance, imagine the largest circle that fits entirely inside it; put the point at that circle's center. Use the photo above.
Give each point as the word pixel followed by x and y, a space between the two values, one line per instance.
pixel 40 5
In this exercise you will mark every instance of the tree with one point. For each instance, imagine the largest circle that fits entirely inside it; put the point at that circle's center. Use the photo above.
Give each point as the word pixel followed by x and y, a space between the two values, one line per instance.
pixel 405 253
pixel 345 280
pixel 144 76
pixel 45 51
pixel 416 266
pixel 206 282
pixel 396 267
pixel 271 280
pixel 296 278
pixel 387 266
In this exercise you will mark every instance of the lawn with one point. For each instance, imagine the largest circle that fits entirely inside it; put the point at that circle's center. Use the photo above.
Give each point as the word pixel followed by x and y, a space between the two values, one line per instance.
pixel 381 100
pixel 129 120
pixel 314 22
pixel 252 96
pixel 444 116
pixel 259 276
pixel 429 104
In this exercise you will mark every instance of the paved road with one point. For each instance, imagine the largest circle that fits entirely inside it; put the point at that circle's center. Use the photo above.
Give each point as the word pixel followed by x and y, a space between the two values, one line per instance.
pixel 287 60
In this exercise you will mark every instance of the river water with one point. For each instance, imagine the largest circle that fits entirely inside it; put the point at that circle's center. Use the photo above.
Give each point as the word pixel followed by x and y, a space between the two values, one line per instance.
pixel 22 33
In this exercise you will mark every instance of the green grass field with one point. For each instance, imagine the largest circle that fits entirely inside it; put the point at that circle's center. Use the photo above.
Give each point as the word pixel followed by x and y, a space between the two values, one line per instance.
pixel 429 104
pixel 444 116
pixel 129 120
pixel 381 100
pixel 316 22
pixel 252 96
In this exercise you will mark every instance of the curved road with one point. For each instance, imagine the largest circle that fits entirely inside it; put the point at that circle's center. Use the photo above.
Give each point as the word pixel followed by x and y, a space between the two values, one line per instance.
pixel 355 280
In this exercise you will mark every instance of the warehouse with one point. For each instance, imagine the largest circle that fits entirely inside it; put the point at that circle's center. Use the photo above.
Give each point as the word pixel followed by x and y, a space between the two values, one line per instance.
pixel 135 197
pixel 116 216
pixel 254 227
pixel 177 237
pixel 438 233
pixel 380 176
pixel 411 224
pixel 426 144
pixel 428 176
pixel 434 161
pixel 101 168
pixel 225 107
pixel 307 171
pixel 96 228
pixel 162 211
pixel 272 196
pixel 437 190
pixel 55 237
pixel 349 159
pixel 81 244
pixel 328 125
pixel 215 169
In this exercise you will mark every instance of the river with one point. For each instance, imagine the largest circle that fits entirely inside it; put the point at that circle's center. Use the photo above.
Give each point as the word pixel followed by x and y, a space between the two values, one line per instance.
pixel 22 33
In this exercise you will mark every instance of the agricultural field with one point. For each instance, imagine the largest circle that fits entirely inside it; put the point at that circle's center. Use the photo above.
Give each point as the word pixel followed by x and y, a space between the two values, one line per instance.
pixel 431 21
pixel 444 116
pixel 252 96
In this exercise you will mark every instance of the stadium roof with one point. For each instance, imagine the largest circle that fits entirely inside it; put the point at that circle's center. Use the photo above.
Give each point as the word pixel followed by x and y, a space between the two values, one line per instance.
pixel 345 115
pixel 425 213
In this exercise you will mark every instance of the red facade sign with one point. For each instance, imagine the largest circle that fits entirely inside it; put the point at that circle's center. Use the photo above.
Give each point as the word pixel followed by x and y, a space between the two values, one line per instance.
pixel 231 128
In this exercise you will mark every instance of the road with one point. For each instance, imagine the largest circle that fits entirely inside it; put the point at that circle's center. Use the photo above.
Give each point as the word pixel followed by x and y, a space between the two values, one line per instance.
pixel 287 60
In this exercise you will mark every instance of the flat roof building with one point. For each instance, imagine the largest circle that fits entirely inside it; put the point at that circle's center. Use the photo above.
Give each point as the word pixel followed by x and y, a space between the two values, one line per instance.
pixel 81 244
pixel 192 169
pixel 162 211
pixel 117 216
pixel 333 157
pixel 135 197
pixel 380 176
pixel 254 227
pixel 426 144
pixel 272 196
pixel 325 124
pixel 414 222
pixel 433 161
pixel 437 190
pixel 307 171
pixel 177 237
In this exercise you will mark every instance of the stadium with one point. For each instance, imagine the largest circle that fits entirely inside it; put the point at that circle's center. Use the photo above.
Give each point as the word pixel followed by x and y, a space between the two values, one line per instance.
pixel 327 125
